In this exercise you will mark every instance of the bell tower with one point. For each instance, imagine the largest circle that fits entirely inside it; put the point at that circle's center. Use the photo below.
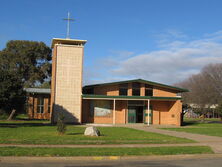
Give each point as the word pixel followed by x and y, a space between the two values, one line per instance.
pixel 66 83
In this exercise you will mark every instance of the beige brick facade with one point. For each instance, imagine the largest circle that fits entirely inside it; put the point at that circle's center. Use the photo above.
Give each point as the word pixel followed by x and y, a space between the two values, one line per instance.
pixel 67 79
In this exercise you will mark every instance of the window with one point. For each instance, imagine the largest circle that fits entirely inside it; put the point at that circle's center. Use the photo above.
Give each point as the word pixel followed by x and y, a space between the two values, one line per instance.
pixel 136 89
pixel 148 90
pixel 100 108
pixel 179 94
pixel 88 91
pixel 40 105
pixel 49 104
pixel 123 89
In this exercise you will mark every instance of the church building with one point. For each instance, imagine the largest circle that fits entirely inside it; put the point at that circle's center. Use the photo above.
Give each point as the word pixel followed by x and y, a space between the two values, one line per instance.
pixel 131 101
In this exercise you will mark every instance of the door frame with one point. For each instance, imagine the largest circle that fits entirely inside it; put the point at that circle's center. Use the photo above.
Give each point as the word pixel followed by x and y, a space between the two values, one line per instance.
pixel 146 114
pixel 129 114
pixel 128 106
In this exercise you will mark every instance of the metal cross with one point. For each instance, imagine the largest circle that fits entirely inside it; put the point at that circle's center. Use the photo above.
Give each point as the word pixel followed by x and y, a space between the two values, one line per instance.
pixel 68 25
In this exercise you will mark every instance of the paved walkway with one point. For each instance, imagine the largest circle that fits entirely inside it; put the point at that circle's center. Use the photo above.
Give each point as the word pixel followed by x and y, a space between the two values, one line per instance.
pixel 214 142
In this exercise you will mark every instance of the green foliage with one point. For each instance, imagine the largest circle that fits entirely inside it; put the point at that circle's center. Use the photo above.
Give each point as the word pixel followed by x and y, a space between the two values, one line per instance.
pixel 61 126
pixel 3 115
pixel 22 64
pixel 11 92
pixel 46 84
pixel 30 61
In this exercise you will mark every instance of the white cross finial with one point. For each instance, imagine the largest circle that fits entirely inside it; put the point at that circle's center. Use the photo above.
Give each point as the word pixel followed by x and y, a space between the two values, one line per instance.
pixel 68 25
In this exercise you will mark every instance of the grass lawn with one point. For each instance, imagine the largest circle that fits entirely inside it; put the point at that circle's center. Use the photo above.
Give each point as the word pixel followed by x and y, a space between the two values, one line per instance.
pixel 42 133
pixel 19 151
pixel 210 127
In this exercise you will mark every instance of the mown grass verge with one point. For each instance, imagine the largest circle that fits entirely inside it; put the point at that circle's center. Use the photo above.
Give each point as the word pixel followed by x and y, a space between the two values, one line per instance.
pixel 210 131
pixel 46 134
pixel 48 152
pixel 211 127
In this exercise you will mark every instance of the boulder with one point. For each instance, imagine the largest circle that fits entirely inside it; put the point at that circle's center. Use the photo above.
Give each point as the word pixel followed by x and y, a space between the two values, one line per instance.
pixel 92 131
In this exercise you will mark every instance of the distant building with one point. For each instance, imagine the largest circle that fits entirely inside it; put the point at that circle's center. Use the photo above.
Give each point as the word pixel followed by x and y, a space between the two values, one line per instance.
pixel 209 113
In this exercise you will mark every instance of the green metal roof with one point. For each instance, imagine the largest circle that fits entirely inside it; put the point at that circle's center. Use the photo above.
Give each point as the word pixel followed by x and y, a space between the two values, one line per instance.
pixel 130 97
pixel 141 81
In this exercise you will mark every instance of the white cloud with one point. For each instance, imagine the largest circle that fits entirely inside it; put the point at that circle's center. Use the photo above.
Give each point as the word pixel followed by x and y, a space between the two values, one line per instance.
pixel 173 62
pixel 170 38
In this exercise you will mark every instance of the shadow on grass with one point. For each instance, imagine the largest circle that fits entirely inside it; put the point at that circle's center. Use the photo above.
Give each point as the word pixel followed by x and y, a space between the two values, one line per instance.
pixel 197 122
pixel 27 123
pixel 190 123
pixel 74 133
pixel 215 122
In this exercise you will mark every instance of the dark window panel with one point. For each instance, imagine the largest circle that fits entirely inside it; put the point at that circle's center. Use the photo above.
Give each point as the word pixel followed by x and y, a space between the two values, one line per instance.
pixel 136 92
pixel 123 92
pixel 149 92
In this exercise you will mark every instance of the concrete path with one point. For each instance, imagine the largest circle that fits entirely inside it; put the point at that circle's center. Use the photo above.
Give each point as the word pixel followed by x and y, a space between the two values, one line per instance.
pixel 214 142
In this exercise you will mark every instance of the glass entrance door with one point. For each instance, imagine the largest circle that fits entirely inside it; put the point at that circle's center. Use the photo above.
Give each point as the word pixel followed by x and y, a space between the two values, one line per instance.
pixel 131 114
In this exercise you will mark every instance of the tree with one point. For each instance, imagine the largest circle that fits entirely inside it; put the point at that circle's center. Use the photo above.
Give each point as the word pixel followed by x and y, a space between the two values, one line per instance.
pixel 213 74
pixel 22 64
pixel 30 60
pixel 219 109
pixel 205 88
pixel 11 92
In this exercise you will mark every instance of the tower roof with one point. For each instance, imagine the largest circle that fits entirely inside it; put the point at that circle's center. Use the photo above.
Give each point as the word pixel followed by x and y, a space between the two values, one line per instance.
pixel 67 41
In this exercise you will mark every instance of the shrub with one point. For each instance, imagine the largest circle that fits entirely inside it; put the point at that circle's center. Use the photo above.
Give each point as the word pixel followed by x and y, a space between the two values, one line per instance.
pixel 3 115
pixel 61 126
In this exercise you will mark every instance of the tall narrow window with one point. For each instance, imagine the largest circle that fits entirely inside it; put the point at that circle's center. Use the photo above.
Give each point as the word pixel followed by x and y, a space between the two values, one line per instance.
pixel 49 104
pixel 136 89
pixel 123 89
pixel 40 105
pixel 148 90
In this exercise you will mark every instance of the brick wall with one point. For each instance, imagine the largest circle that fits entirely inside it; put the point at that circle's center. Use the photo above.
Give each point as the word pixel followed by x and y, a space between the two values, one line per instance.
pixel 158 91
pixel 113 90
pixel 167 112
pixel 121 110
pixel 32 107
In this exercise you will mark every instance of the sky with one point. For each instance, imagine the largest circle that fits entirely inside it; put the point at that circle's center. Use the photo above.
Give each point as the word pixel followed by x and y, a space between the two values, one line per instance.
pixel 158 40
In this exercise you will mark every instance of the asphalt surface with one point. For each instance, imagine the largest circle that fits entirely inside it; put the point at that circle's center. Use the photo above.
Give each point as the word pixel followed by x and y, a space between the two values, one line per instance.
pixel 171 162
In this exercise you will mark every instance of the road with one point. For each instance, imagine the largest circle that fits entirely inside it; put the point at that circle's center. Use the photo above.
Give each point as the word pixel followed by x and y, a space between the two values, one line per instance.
pixel 181 162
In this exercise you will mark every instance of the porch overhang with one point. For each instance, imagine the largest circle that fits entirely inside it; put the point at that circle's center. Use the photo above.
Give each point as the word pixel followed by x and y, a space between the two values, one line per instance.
pixel 105 97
